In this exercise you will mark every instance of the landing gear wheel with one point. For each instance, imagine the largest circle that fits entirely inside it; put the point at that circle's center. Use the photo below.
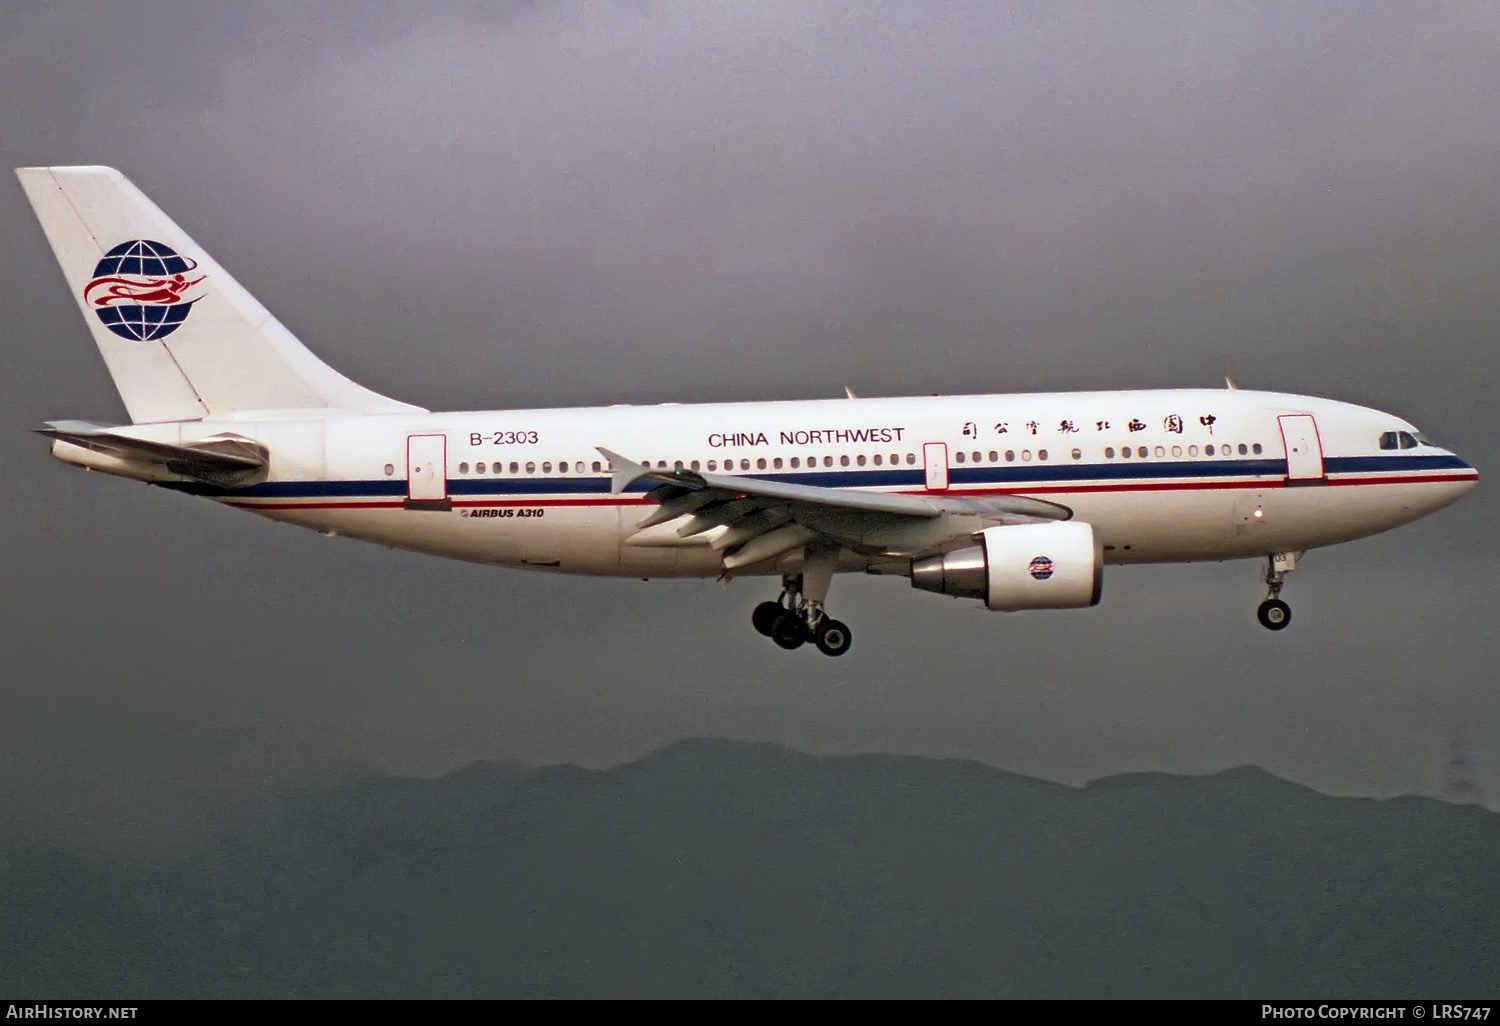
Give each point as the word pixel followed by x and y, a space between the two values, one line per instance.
pixel 1274 614
pixel 789 631
pixel 833 637
pixel 764 617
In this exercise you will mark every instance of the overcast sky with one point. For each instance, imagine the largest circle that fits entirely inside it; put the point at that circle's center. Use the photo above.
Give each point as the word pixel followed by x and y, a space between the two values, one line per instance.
pixel 539 204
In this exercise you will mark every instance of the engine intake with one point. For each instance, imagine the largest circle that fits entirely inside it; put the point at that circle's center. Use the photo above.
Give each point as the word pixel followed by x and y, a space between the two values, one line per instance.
pixel 1022 566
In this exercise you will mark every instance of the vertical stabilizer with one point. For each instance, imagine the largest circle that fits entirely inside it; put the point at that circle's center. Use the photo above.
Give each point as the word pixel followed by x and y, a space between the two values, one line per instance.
pixel 182 339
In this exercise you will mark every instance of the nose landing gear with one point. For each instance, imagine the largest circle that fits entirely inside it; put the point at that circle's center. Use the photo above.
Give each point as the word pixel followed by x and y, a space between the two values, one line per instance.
pixel 794 619
pixel 1274 614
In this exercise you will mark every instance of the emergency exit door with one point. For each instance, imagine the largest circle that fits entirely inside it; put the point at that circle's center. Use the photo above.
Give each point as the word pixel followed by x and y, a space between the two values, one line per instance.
pixel 427 472
pixel 935 456
pixel 1304 450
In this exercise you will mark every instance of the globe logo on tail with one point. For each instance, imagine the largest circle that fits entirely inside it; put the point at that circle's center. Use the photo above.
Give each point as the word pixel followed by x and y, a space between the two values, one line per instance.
pixel 139 290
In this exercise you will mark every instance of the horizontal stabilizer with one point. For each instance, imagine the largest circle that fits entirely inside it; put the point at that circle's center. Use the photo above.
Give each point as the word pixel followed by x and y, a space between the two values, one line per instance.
pixel 218 459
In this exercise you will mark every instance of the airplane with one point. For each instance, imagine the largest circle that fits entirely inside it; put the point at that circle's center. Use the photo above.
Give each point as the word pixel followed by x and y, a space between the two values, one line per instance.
pixel 1017 501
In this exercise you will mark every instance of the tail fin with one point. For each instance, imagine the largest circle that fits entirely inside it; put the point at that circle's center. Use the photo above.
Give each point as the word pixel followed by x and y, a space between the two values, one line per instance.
pixel 182 339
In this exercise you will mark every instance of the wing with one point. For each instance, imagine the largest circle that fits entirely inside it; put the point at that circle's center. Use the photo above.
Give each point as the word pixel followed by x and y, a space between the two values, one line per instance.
pixel 751 520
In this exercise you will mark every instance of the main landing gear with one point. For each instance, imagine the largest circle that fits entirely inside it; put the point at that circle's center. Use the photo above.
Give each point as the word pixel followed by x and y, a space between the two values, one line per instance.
pixel 1274 614
pixel 795 619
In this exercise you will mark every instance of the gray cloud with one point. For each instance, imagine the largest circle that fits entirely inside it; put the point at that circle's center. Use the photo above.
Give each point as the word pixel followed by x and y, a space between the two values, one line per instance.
pixel 558 205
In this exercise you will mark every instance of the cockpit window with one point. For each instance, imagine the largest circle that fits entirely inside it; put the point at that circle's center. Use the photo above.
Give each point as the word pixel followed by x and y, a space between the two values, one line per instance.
pixel 1388 440
pixel 1400 440
pixel 1408 441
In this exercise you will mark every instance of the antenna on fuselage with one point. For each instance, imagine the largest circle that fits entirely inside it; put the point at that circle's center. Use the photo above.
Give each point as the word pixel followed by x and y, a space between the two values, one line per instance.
pixel 1229 384
pixel 850 392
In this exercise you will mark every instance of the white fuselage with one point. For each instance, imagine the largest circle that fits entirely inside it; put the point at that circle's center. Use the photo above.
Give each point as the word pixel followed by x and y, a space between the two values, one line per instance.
pixel 1163 476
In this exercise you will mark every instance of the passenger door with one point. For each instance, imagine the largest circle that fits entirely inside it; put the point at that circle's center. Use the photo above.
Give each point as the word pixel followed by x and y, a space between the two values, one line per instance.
pixel 935 456
pixel 1304 449
pixel 427 472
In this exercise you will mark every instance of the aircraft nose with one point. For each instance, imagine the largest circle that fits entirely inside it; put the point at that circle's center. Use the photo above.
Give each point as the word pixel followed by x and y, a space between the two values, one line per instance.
pixel 1467 476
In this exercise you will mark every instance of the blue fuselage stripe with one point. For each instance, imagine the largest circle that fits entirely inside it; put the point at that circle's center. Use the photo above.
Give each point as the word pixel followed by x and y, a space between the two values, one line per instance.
pixel 1036 474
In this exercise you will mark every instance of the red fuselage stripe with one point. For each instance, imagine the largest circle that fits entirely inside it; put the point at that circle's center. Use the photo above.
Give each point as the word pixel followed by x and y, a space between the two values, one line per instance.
pixel 1144 486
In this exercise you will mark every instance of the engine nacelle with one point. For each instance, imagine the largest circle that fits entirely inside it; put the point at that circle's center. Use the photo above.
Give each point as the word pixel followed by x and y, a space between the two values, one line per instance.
pixel 1024 566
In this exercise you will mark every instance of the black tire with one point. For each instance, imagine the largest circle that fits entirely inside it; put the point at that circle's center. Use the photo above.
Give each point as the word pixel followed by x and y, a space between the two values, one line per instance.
pixel 764 617
pixel 789 631
pixel 1274 614
pixel 833 637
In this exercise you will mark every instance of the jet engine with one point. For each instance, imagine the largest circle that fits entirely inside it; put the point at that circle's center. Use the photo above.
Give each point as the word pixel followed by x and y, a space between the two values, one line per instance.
pixel 1022 566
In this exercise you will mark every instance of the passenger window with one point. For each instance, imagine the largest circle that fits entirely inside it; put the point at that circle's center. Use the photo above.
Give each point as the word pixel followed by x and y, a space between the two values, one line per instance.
pixel 1010 455
pixel 1078 454
pixel 978 457
pixel 1109 452
pixel 1160 451
pixel 877 459
pixel 911 459
pixel 1388 440
pixel 463 468
pixel 1256 449
pixel 796 462
pixel 712 465
pixel 515 468
pixel 994 456
pixel 843 461
pixel 1192 450
pixel 1041 454
pixel 547 468
pixel 1244 449
pixel 1208 450
pixel 776 463
pixel 531 468
pixel 694 465
pixel 562 468
pixel 1141 452
pixel 1025 455
pixel 1124 452
pixel 760 464
pixel 827 461
pixel 1176 450
pixel 958 457
pixel 860 459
